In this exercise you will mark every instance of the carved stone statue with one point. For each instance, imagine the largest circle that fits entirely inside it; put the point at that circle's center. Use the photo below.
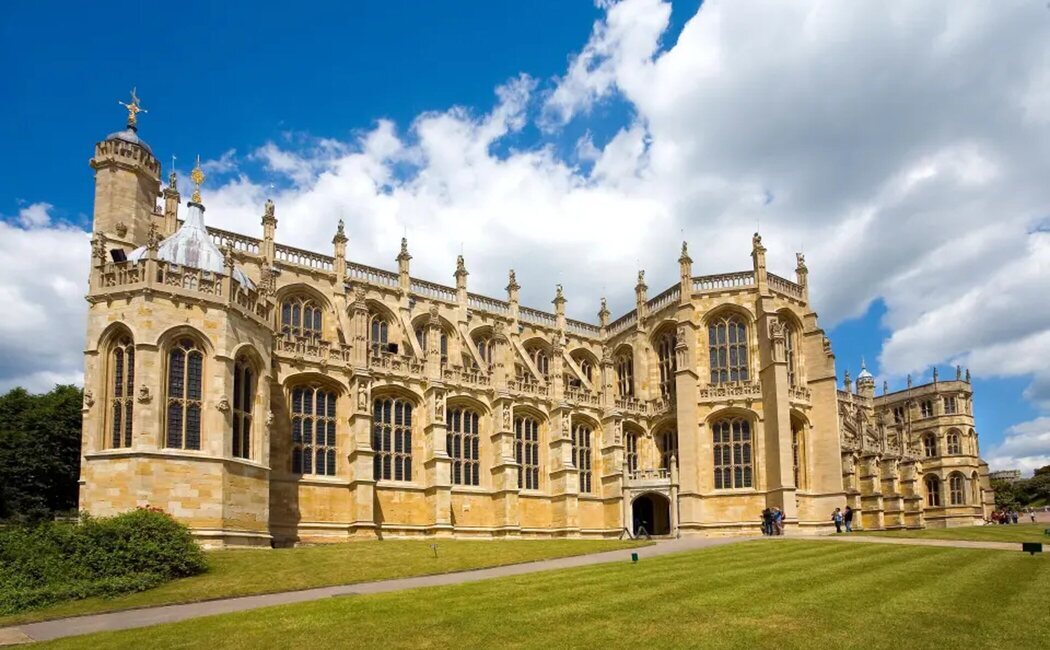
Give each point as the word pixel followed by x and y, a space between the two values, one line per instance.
pixel 223 405
pixel 89 399
pixel 145 395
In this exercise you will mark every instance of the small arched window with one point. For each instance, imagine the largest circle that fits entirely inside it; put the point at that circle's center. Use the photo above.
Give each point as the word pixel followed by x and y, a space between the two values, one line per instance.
pixel 587 369
pixel 727 342
pixel 953 443
pixel 301 317
pixel 975 487
pixel 484 345
pixel 581 455
pixel 933 491
pixel 667 442
pixel 665 344
pixel 540 360
pixel 462 443
pixel 392 439
pixel 421 338
pixel 929 445
pixel 122 396
pixel 243 401
pixel 313 431
pixel 527 452
pixel 956 490
pixel 797 453
pixel 378 334
pixel 624 364
pixel 926 408
pixel 733 462
pixel 632 451
pixel 185 372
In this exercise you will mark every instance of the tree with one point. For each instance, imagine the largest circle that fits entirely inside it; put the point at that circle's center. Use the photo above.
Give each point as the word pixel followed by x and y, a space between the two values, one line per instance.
pixel 39 452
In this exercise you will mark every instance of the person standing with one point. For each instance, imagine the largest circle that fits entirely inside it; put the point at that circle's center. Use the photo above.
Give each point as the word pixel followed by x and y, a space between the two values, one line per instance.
pixel 847 519
pixel 767 522
pixel 837 518
pixel 778 521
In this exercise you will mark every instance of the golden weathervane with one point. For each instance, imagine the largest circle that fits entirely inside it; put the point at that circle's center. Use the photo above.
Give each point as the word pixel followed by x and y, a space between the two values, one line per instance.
pixel 197 176
pixel 134 108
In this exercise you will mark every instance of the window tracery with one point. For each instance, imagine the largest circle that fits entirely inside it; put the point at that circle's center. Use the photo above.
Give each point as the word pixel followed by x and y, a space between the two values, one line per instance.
pixel 727 343
pixel 581 454
pixel 243 400
pixel 392 439
pixel 733 457
pixel 301 317
pixel 462 442
pixel 122 397
pixel 313 430
pixel 185 372
pixel 527 452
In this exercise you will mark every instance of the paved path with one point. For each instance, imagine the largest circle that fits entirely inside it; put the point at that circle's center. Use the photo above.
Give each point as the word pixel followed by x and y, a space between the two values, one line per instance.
pixel 46 630
pixel 133 618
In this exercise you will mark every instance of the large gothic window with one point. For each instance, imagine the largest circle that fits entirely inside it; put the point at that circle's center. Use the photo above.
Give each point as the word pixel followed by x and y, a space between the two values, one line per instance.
pixel 540 360
pixel 185 373
pixel 122 396
pixel 462 443
pixel 581 455
pixel 527 452
pixel 632 451
pixel 956 490
pixel 301 317
pixel 392 439
pixel 797 453
pixel 484 345
pixel 243 400
pixel 421 338
pixel 733 462
pixel 378 334
pixel 624 374
pixel 313 431
pixel 667 443
pixel 933 491
pixel 665 345
pixel 727 342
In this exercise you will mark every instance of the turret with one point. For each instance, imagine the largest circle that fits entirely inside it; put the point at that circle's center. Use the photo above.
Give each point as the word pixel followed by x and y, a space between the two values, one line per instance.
pixel 127 184
pixel 865 382
pixel 171 203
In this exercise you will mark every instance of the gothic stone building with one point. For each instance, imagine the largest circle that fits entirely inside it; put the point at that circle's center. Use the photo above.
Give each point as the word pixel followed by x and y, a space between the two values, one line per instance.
pixel 264 395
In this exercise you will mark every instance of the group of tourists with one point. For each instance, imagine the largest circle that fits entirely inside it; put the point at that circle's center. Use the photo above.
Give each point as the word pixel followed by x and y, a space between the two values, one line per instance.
pixel 843 518
pixel 1004 517
pixel 773 521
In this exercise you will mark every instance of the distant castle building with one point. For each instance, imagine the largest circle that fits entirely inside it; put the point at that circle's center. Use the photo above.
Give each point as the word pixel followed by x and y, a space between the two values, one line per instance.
pixel 1008 475
pixel 265 394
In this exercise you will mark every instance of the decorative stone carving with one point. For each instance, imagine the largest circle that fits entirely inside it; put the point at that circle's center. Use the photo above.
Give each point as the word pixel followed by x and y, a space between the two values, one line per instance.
pixel 223 405
pixel 439 406
pixel 508 423
pixel 145 396
pixel 98 247
pixel 270 417
pixel 121 228
pixel 153 238
pixel 89 399
pixel 363 386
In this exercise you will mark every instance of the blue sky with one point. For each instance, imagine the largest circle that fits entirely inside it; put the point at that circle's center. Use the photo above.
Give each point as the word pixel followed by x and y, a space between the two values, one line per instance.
pixel 901 146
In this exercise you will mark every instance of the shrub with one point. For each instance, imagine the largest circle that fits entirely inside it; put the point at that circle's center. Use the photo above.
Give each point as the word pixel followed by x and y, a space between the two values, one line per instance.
pixel 106 556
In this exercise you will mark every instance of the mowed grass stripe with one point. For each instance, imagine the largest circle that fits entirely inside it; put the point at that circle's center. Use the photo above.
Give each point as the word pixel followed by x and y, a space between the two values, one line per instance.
pixel 785 594
pixel 248 572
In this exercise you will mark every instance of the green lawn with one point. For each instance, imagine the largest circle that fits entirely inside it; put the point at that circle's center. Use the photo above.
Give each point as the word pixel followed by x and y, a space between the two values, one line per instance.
pixel 245 572
pixel 1011 533
pixel 769 593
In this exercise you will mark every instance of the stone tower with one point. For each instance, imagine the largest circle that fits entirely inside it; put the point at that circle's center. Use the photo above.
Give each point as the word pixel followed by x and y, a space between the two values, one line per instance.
pixel 127 184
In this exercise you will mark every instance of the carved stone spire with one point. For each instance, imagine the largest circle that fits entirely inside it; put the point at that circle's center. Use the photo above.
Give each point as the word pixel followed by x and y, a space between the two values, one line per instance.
pixel 603 313
pixel 340 234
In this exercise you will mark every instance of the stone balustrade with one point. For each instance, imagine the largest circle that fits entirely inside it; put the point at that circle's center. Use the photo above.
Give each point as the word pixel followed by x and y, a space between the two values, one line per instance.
pixel 582 396
pixel 304 259
pixel 722 281
pixel 784 286
pixel 370 275
pixel 528 387
pixel 396 363
pixel 466 376
pixel 730 391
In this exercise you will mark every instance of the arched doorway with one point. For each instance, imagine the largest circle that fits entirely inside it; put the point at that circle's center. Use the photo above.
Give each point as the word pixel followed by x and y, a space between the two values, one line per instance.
pixel 653 513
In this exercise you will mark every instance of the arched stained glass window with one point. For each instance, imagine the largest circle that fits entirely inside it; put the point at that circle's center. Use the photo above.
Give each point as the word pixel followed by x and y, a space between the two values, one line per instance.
pixel 727 343
pixel 933 491
pixel 301 317
pixel 733 457
pixel 313 430
pixel 667 443
pixel 624 364
pixel 581 455
pixel 953 442
pixel 243 401
pixel 527 451
pixel 122 392
pixel 632 451
pixel 392 439
pixel 665 345
pixel 462 442
pixel 956 490
pixel 184 398
pixel 378 334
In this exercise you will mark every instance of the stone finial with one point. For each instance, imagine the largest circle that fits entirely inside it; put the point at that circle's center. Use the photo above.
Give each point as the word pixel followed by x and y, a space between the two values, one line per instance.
pixel 403 256
pixel 268 213
pixel 936 374
pixel 559 296
pixel 967 375
pixel 173 181
pixel 461 266
pixel 885 387
pixel 756 244
pixel 800 262
pixel 958 373
pixel 227 254
pixel 684 257
pixel 603 313
pixel 512 283
pixel 340 234
pixel 641 280
pixel 909 381
pixel 847 380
